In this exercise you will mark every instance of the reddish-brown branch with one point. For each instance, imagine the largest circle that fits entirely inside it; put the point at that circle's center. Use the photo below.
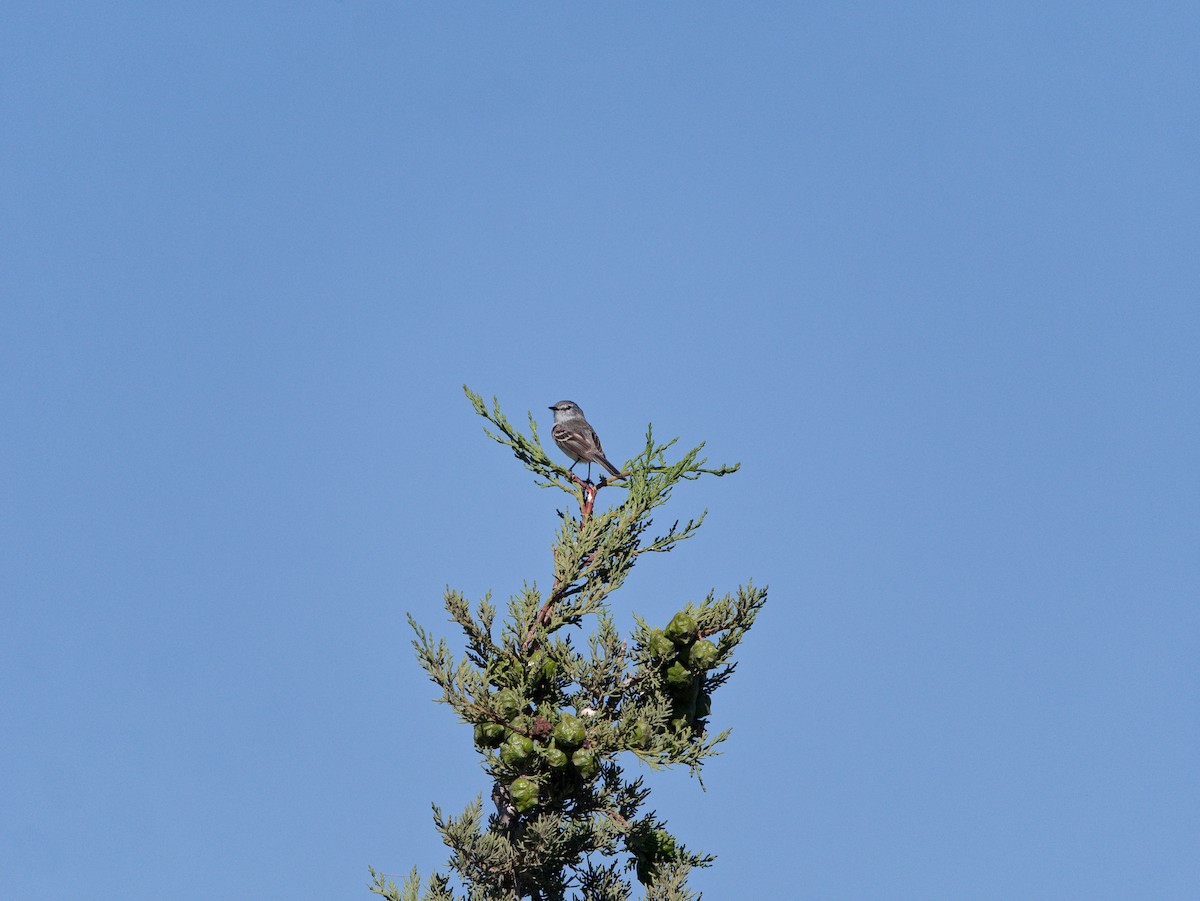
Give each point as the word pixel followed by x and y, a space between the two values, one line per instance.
pixel 589 495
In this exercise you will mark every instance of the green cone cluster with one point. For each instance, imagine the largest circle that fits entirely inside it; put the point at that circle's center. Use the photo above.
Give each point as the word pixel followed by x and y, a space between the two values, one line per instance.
pixel 651 846
pixel 544 753
pixel 683 658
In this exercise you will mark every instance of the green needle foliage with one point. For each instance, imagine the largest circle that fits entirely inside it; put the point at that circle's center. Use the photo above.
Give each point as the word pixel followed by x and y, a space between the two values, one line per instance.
pixel 554 721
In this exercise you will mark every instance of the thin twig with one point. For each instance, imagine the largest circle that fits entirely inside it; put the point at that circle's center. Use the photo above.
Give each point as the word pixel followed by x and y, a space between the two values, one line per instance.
pixel 587 503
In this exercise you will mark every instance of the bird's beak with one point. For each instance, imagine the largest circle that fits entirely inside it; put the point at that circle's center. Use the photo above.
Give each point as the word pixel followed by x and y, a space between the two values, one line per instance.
pixel 549 408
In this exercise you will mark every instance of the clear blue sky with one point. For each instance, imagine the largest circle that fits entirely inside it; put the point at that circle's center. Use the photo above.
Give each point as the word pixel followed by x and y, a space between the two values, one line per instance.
pixel 931 272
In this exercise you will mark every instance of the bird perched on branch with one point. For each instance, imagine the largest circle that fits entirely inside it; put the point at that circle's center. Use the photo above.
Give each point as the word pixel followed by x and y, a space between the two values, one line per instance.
pixel 577 439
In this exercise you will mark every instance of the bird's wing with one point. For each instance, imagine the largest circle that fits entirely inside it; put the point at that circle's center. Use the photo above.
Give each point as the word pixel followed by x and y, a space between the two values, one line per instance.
pixel 574 440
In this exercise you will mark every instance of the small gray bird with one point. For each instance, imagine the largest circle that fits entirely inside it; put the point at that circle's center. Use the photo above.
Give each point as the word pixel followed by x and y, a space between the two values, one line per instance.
pixel 577 439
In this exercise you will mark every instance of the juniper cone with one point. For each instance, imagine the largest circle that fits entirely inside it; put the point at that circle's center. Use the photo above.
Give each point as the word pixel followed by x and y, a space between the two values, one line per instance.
pixel 577 439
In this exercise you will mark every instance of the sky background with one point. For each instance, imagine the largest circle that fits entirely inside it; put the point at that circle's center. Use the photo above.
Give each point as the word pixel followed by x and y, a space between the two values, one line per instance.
pixel 930 272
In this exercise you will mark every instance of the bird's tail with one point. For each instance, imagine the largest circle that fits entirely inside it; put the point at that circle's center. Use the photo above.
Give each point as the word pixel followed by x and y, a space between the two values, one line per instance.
pixel 612 470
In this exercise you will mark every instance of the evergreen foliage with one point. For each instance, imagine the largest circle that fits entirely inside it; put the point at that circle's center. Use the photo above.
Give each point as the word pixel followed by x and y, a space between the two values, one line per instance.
pixel 551 719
